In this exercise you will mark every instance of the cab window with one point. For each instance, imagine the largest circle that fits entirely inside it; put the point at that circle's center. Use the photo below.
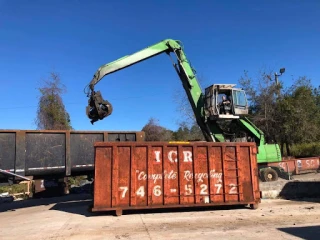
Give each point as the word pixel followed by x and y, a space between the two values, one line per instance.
pixel 239 98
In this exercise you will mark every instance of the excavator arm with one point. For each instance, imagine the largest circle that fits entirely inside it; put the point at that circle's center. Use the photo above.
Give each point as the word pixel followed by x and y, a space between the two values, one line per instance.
pixel 98 108
pixel 129 60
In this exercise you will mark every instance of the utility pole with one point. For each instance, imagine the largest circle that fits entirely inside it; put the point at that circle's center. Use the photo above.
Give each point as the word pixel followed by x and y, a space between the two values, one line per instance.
pixel 282 70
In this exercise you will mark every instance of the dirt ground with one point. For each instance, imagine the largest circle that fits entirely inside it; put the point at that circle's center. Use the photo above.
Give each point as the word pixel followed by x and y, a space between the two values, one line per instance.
pixel 68 218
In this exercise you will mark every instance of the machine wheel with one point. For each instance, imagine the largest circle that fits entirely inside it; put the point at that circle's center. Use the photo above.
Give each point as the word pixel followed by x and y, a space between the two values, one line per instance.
pixel 269 175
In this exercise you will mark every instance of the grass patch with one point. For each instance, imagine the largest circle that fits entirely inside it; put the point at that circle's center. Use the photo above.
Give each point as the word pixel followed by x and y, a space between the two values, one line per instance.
pixel 306 150
pixel 15 188
pixel 76 180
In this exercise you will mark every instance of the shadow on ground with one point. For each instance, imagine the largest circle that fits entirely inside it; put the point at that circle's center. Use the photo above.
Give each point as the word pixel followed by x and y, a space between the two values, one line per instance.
pixel 81 204
pixel 12 206
pixel 84 208
pixel 301 190
pixel 308 233
pixel 182 209
pixel 80 207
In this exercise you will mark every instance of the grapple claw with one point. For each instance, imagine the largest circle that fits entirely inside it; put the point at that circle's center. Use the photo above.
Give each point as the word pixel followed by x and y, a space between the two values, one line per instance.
pixel 98 108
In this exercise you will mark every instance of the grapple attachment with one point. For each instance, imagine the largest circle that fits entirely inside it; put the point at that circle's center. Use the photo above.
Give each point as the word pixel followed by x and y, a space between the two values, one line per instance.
pixel 98 108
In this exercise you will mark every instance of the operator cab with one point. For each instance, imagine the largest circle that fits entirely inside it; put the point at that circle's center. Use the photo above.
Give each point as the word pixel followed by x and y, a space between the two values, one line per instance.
pixel 224 101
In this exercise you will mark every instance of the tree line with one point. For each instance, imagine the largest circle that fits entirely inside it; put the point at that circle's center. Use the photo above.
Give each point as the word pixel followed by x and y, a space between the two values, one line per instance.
pixel 287 114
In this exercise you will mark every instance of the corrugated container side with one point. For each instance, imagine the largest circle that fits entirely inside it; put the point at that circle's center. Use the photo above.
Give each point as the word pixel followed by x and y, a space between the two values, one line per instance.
pixel 307 164
pixel 58 153
pixel 162 174
pixel 7 150
pixel 298 165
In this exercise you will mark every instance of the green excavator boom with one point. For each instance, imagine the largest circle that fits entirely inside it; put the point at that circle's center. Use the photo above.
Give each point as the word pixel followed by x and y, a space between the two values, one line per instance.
pixel 99 108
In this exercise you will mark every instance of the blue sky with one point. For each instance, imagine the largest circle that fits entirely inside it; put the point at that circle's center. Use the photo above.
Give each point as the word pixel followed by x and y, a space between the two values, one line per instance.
pixel 76 37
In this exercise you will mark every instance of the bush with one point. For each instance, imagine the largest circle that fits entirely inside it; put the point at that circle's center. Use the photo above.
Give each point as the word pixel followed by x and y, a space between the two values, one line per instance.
pixel 306 150
pixel 15 188
pixel 76 180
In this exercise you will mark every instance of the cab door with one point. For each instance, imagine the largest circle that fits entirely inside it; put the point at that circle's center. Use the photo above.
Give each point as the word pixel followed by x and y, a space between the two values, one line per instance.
pixel 211 101
pixel 239 102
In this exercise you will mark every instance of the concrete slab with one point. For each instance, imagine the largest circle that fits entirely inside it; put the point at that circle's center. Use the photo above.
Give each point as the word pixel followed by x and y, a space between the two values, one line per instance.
pixel 67 218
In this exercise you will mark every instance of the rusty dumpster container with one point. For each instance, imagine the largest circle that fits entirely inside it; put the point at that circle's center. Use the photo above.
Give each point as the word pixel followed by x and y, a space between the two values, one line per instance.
pixel 297 166
pixel 143 175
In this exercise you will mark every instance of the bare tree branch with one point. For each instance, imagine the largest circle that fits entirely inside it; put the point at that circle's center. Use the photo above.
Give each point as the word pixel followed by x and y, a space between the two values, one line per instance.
pixel 51 113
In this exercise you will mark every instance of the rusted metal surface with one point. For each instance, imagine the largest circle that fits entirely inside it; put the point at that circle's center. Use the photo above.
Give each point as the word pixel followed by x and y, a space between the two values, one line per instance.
pixel 298 165
pixel 307 164
pixel 50 152
pixel 144 175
